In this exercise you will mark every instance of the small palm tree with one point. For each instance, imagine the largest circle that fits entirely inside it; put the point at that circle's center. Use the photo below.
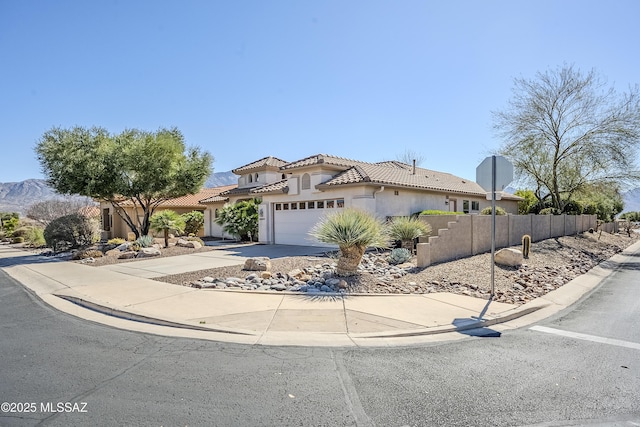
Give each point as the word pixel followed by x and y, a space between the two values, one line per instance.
pixel 353 231
pixel 406 229
pixel 165 221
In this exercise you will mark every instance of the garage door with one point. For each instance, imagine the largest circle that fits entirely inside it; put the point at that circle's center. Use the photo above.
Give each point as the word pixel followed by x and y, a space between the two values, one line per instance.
pixel 292 222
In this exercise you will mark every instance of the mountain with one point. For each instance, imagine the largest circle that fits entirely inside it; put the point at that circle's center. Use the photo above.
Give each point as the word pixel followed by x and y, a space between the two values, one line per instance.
pixel 18 196
pixel 631 200
pixel 219 179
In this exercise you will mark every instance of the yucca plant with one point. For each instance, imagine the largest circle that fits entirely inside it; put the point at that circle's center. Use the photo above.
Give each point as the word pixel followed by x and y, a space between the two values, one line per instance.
pixel 353 231
pixel 406 229
pixel 165 221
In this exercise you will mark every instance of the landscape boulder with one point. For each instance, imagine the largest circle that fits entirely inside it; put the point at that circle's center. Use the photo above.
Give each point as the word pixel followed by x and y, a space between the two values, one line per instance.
pixel 148 252
pixel 257 264
pixel 509 257
pixel 126 255
pixel 188 244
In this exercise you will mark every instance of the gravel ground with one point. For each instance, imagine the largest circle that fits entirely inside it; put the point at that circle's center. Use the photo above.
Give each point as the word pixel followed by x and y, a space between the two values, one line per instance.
pixel 552 263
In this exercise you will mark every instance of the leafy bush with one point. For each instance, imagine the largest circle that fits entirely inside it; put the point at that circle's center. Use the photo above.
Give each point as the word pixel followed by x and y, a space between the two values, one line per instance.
pixel 353 231
pixel 487 211
pixel 550 211
pixel 399 255
pixel 240 219
pixel 193 222
pixel 116 241
pixel 145 241
pixel 572 207
pixel 71 232
pixel 10 224
pixel 437 212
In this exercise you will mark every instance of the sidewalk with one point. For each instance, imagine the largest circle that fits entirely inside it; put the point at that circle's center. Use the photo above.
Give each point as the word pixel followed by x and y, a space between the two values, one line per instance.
pixel 125 297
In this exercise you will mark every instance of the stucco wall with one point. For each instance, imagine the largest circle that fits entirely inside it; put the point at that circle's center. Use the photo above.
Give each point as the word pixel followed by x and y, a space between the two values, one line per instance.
pixel 474 232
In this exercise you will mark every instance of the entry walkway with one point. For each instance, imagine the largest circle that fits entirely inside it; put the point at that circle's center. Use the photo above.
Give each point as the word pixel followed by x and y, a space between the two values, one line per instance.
pixel 124 296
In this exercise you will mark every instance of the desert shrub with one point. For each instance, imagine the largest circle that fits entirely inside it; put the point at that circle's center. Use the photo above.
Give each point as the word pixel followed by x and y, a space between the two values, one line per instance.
pixel 71 232
pixel 21 231
pixel 353 231
pixel 572 207
pixel 437 212
pixel 17 239
pixel 10 223
pixel 406 229
pixel 116 241
pixel 399 255
pixel 35 237
pixel 145 241
pixel 193 222
pixel 487 211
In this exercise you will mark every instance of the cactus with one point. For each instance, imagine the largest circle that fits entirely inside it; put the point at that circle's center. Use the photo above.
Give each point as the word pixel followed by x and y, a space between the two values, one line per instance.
pixel 145 241
pixel 399 255
pixel 526 246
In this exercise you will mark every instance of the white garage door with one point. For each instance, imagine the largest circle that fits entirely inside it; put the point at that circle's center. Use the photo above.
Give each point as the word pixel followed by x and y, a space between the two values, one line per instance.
pixel 292 222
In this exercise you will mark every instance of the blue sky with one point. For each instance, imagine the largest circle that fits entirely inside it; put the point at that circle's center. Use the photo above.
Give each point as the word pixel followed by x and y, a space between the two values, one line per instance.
pixel 365 80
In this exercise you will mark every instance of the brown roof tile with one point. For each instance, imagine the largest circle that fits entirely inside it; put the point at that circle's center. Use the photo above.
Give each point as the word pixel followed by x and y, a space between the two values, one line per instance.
pixel 191 200
pixel 322 159
pixel 265 162
pixel 276 187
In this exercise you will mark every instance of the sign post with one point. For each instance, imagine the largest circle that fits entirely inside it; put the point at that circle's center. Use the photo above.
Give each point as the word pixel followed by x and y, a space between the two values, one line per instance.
pixel 494 172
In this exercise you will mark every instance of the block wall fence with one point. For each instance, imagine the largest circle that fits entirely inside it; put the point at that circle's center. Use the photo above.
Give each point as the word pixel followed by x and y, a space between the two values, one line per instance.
pixel 459 236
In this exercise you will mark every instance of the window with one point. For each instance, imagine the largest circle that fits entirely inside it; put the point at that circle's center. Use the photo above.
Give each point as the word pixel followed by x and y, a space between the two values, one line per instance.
pixel 106 223
pixel 294 206
pixel 311 205
pixel 216 213
pixel 340 203
pixel 278 206
pixel 306 181
pixel 396 193
pixel 302 205
pixel 475 206
pixel 330 204
pixel 250 178
pixel 285 206
pixel 465 206
pixel 257 176
pixel 320 204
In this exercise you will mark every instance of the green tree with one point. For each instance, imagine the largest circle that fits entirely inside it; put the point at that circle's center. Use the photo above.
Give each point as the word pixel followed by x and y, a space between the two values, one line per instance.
pixel 565 130
pixel 407 229
pixel 240 219
pixel 530 200
pixel 604 201
pixel 166 221
pixel 193 222
pixel 139 167
pixel 353 231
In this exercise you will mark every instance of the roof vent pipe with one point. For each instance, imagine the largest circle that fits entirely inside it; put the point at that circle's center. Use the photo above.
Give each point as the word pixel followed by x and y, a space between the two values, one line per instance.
pixel 413 172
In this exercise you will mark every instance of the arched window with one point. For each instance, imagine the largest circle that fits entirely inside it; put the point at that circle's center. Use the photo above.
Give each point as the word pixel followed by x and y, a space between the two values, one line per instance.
pixel 250 178
pixel 216 213
pixel 306 181
pixel 257 177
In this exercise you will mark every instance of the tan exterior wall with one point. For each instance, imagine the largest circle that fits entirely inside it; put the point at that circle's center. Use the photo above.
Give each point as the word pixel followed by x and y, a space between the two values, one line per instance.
pixel 471 234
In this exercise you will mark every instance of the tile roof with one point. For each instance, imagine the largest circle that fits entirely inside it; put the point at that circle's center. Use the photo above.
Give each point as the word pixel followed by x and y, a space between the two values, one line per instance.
pixel 191 200
pixel 326 159
pixel 270 161
pixel 400 174
pixel 276 187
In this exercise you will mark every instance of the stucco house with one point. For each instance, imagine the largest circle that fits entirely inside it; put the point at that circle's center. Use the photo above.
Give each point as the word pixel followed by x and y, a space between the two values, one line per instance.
pixel 296 195
pixel 114 226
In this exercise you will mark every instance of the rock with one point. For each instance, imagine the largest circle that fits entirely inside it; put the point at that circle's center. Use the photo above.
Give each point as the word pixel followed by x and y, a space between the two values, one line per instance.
pixel 257 264
pixel 123 247
pixel 278 287
pixel 127 255
pixel 208 279
pixel 113 252
pixel 296 273
pixel 509 256
pixel 326 288
pixel 265 275
pixel 148 253
pixel 343 284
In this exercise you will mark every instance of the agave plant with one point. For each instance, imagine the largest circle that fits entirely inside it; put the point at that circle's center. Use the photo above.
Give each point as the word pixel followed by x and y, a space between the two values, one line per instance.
pixel 353 231
pixel 406 229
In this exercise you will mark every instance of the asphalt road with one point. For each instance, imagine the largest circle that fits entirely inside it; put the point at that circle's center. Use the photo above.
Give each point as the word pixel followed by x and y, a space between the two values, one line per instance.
pixel 580 368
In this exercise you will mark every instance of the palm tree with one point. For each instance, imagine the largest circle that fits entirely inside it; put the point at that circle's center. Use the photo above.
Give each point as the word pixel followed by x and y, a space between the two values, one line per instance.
pixel 165 221
pixel 406 229
pixel 353 231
